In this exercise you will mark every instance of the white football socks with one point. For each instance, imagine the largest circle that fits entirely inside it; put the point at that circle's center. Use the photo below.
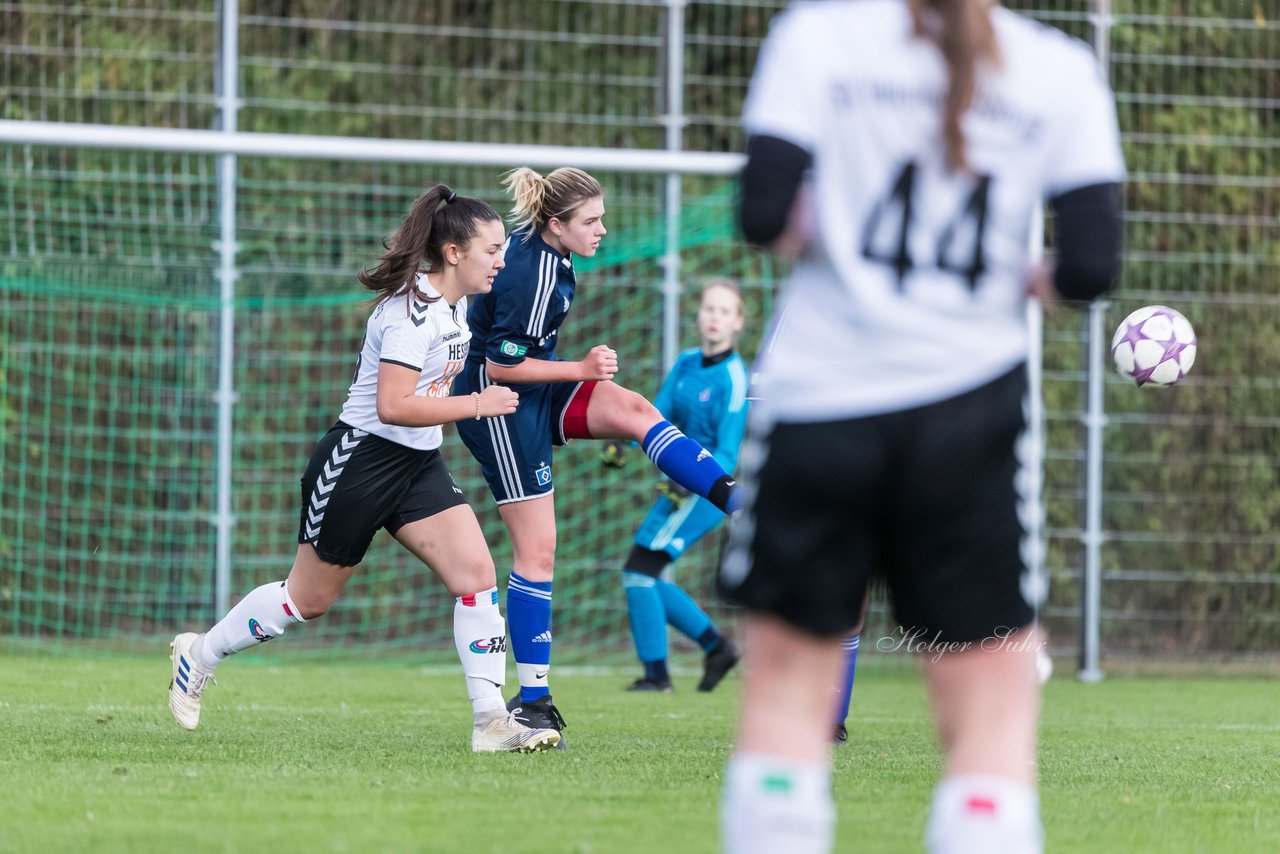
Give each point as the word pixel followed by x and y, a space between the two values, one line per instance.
pixel 980 813
pixel 260 616
pixel 773 804
pixel 480 634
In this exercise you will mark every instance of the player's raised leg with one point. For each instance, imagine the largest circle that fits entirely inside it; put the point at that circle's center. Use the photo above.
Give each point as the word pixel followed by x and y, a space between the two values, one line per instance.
pixel 614 412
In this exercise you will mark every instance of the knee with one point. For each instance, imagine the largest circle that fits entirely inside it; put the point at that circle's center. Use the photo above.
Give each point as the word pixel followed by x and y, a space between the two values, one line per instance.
pixel 538 562
pixel 311 603
pixel 473 576
pixel 634 415
pixel 646 562
pixel 638 406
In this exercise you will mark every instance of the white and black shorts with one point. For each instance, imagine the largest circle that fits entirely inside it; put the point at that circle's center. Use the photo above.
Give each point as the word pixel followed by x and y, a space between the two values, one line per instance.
pixel 925 498
pixel 357 483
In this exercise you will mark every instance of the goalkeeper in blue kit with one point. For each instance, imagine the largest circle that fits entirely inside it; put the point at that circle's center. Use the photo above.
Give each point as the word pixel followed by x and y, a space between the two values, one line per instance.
pixel 705 395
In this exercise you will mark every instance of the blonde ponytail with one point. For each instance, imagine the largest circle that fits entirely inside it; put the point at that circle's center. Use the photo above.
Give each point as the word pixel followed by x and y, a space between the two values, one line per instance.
pixel 529 192
pixel 536 199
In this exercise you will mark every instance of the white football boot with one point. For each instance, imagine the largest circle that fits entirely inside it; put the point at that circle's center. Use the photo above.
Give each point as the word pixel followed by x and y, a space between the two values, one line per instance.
pixel 188 682
pixel 500 732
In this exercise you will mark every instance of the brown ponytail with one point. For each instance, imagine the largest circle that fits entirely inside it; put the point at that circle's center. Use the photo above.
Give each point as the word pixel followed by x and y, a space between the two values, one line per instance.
pixel 438 218
pixel 962 30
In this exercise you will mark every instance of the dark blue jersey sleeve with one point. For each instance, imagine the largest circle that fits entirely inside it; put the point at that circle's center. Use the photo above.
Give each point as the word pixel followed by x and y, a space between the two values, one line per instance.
pixel 510 336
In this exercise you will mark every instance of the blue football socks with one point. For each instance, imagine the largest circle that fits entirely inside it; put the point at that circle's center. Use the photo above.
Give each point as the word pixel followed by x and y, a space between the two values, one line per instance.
pixel 648 620
pixel 690 465
pixel 850 646
pixel 685 615
pixel 529 625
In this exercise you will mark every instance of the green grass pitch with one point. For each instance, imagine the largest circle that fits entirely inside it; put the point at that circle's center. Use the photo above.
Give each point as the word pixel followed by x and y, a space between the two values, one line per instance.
pixel 362 757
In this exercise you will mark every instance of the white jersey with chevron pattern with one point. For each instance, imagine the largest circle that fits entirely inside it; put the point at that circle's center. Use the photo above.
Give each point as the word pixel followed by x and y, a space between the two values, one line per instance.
pixel 430 337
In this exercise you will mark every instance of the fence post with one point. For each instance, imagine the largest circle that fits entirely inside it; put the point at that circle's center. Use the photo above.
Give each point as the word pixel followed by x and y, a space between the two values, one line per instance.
pixel 227 96
pixel 1095 419
pixel 674 121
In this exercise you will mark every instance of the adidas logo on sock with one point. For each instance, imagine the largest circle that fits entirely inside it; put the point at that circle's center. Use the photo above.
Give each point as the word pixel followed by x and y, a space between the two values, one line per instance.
pixel 545 637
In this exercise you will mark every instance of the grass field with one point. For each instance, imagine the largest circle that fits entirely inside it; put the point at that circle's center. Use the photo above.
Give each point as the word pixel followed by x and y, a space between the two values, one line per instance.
pixel 363 757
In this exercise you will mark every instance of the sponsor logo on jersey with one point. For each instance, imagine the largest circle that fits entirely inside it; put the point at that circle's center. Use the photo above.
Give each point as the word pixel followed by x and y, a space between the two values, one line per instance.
pixel 255 629
pixel 542 474
pixel 489 645
pixel 704 395
pixel 458 352
pixel 511 348
pixel 452 335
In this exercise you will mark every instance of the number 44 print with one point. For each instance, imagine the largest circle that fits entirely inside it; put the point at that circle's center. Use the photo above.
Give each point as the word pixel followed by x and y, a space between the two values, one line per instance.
pixel 959 246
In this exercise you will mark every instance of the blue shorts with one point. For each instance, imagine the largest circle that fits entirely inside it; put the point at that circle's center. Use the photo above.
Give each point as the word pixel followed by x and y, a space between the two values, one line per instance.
pixel 514 451
pixel 673 529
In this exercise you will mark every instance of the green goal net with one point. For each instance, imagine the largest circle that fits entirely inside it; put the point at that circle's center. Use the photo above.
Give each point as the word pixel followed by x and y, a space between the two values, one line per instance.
pixel 109 319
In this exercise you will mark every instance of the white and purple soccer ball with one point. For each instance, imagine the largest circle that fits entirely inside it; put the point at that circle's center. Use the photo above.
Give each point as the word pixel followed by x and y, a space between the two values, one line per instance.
pixel 1154 345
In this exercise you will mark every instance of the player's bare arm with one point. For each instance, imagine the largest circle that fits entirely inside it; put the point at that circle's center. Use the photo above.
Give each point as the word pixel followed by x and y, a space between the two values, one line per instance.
pixel 601 363
pixel 399 403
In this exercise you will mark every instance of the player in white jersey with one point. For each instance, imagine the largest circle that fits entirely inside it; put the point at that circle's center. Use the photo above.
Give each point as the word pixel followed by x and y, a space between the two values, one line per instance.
pixel 380 467
pixel 898 150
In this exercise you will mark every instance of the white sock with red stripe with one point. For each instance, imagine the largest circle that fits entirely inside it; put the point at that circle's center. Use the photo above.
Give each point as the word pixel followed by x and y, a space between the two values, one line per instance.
pixel 979 813
pixel 260 616
pixel 480 634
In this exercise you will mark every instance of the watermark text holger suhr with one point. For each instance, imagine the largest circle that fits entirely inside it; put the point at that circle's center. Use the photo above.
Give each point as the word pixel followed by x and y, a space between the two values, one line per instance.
pixel 921 641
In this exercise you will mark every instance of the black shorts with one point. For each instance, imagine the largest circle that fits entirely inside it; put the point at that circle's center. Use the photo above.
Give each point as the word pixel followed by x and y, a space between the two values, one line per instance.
pixel 924 497
pixel 357 483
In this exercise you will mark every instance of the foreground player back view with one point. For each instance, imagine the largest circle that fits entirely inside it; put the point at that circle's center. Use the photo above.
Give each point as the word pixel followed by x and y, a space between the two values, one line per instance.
pixel 899 150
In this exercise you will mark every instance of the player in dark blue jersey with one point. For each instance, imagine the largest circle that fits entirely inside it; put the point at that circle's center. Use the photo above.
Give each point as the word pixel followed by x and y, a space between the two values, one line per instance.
pixel 514 330
pixel 705 395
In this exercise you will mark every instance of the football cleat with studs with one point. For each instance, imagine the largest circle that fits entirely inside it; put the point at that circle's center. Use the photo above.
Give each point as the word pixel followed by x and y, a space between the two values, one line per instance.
pixel 187 683
pixel 501 732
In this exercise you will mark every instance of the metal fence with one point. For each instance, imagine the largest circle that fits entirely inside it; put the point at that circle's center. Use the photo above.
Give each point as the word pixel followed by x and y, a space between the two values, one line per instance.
pixel 1177 514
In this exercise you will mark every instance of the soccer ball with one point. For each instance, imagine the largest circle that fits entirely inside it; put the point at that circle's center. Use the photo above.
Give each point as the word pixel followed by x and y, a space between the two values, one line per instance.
pixel 1154 345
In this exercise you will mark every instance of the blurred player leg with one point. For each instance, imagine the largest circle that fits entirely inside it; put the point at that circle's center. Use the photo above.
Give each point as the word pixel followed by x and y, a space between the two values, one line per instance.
pixel 850 647
pixel 778 783
pixel 986 701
